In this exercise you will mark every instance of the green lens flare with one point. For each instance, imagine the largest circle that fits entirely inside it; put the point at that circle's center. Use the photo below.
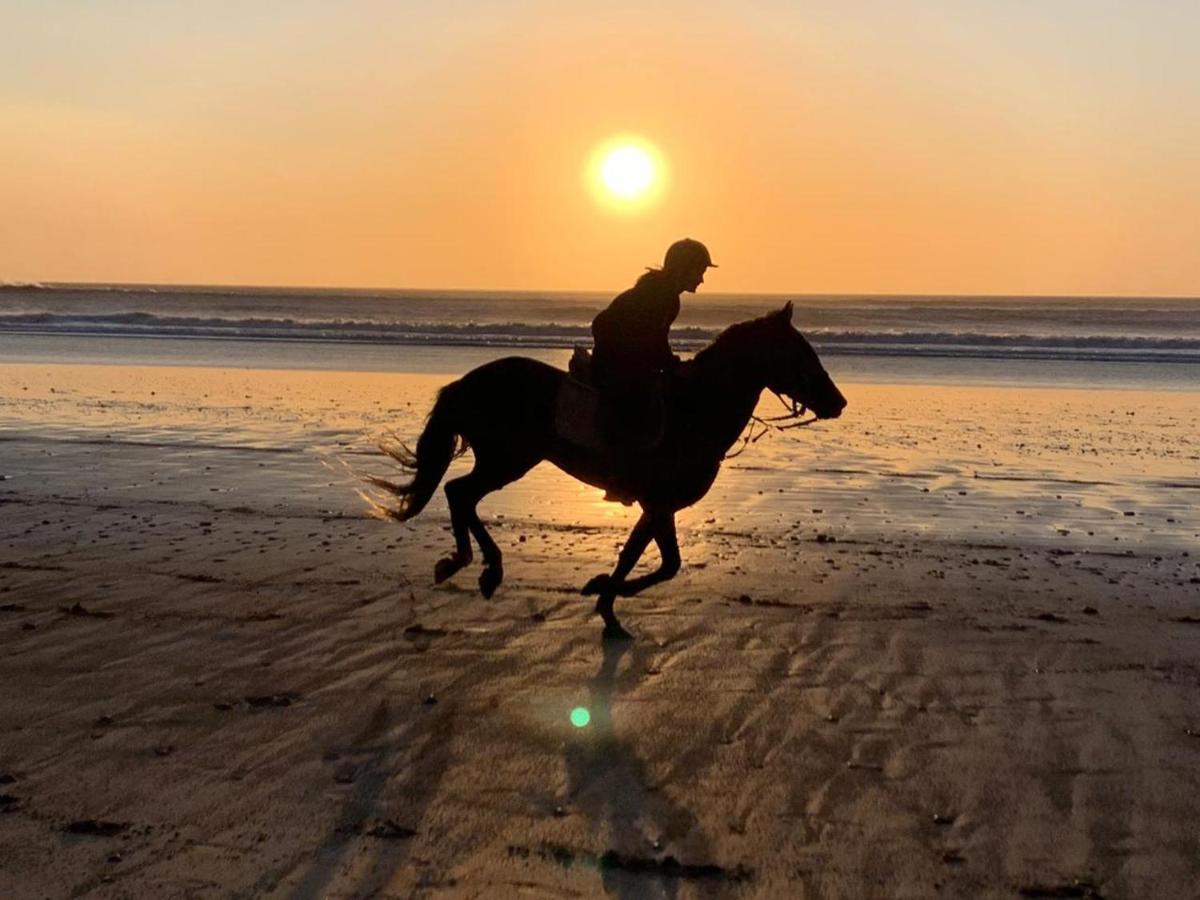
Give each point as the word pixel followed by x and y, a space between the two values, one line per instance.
pixel 580 717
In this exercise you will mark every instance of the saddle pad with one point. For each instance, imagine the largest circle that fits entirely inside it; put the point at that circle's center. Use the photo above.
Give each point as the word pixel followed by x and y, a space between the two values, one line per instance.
pixel 576 415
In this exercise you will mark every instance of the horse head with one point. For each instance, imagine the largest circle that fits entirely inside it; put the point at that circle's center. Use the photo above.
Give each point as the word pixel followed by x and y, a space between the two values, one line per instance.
pixel 791 367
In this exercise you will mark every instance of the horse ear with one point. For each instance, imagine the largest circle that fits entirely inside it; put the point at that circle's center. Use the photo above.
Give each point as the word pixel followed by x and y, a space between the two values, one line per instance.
pixel 786 312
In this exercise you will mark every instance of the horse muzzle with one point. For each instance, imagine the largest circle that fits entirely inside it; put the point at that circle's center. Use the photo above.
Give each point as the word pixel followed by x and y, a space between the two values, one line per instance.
pixel 829 407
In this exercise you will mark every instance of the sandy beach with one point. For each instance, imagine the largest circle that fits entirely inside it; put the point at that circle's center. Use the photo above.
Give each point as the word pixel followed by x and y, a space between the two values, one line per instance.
pixel 934 630
pixel 945 646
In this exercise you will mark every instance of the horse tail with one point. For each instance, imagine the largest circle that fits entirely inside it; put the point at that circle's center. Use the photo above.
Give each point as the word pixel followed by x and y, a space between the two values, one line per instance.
pixel 439 444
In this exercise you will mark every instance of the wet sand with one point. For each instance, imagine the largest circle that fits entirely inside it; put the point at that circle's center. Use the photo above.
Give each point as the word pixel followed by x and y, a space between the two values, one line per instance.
pixel 945 646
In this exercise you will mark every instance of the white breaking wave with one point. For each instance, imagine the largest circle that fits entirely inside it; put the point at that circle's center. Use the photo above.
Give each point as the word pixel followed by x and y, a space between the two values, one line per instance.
pixel 1093 329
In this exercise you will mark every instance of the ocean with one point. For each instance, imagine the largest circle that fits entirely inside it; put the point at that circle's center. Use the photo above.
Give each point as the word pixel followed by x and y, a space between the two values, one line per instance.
pixel 1064 423
pixel 1142 342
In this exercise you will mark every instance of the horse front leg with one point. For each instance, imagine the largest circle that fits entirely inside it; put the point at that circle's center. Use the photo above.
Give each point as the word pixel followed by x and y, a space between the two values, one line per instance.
pixel 668 549
pixel 608 586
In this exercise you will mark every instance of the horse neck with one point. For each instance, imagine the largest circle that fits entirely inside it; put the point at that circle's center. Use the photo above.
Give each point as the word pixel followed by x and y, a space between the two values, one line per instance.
pixel 728 388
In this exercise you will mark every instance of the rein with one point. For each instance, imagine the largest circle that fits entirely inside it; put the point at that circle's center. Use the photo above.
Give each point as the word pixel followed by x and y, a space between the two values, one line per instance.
pixel 760 427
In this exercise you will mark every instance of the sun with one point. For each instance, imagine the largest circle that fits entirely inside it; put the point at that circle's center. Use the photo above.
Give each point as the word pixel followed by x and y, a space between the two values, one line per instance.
pixel 626 173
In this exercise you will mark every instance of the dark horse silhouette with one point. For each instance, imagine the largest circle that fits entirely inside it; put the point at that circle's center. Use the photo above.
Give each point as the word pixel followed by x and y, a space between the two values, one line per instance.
pixel 505 412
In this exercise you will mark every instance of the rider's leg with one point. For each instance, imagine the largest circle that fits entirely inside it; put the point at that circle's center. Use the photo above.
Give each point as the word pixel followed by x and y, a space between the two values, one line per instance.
pixel 629 427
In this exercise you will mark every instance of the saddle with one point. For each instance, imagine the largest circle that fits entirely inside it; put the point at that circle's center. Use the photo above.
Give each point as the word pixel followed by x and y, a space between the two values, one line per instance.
pixel 580 410
pixel 577 407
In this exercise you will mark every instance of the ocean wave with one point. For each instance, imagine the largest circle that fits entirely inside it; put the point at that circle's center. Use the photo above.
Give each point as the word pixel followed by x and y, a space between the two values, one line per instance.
pixel 68 289
pixel 884 341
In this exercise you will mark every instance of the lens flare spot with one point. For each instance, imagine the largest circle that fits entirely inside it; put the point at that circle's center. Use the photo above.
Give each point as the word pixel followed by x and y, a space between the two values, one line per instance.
pixel 580 717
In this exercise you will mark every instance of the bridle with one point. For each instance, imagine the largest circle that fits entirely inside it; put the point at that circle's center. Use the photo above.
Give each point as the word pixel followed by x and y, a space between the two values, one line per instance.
pixel 759 427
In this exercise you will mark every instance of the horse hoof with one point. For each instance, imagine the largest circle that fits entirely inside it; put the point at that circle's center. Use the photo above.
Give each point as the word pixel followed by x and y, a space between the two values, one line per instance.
pixel 446 567
pixel 597 585
pixel 489 580
pixel 614 632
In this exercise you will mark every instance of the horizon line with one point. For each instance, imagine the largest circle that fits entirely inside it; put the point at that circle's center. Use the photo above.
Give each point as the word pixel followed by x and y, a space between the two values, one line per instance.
pixel 35 284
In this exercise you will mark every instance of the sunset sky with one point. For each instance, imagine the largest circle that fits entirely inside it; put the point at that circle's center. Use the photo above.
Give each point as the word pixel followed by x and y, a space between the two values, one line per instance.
pixel 895 147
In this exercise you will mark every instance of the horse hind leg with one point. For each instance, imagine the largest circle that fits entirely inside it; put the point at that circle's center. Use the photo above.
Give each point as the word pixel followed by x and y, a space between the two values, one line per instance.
pixel 493 560
pixel 448 566
pixel 464 498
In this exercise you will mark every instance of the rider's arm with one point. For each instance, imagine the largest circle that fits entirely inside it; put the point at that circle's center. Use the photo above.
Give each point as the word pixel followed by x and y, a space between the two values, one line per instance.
pixel 665 359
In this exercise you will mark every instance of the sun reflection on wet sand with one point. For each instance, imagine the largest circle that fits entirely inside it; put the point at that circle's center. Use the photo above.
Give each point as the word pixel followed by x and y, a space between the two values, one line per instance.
pixel 866 609
pixel 1066 467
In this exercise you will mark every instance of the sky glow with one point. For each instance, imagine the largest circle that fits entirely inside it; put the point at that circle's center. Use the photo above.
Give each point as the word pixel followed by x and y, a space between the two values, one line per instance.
pixel 931 147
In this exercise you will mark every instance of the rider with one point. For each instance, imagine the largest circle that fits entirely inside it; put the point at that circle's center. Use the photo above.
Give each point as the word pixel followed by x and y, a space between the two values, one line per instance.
pixel 632 350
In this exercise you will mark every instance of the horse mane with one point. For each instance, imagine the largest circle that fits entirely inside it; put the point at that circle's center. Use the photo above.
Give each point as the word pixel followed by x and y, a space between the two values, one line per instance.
pixel 735 340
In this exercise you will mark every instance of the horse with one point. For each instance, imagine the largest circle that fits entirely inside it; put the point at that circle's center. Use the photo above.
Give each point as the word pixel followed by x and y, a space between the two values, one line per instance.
pixel 505 411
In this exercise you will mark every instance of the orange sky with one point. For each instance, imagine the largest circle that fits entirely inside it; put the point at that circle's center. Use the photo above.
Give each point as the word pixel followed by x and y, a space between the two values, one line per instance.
pixel 933 147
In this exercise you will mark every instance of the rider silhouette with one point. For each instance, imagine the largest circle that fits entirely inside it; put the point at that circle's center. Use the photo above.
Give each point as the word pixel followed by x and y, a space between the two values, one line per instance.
pixel 632 349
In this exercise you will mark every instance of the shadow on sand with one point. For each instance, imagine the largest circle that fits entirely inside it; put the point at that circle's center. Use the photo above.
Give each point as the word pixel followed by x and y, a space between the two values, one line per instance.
pixel 376 755
pixel 654 843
